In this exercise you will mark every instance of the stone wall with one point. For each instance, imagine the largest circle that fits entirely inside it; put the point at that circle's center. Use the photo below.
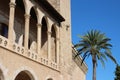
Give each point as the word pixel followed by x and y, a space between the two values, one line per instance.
pixel 55 4
pixel 12 64
pixel 53 60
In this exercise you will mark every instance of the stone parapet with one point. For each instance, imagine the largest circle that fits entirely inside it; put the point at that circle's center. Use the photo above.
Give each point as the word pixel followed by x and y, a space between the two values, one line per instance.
pixel 20 50
pixel 78 61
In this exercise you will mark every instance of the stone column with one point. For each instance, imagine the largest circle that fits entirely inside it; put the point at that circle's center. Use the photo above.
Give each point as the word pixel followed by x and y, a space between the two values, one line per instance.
pixel 26 37
pixel 57 50
pixel 38 38
pixel 11 21
pixel 49 45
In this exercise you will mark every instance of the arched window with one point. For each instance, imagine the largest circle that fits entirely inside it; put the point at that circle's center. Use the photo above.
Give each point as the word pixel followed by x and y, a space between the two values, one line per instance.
pixel 4 30
pixel 44 41
pixel 33 27
pixel 44 32
pixel 53 44
pixel 19 26
pixel 23 75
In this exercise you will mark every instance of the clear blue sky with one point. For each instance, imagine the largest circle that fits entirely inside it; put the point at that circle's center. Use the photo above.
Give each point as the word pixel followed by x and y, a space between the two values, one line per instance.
pixel 103 15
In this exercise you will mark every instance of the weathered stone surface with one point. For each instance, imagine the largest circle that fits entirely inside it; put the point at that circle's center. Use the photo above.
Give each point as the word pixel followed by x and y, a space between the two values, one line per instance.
pixel 55 4
pixel 53 59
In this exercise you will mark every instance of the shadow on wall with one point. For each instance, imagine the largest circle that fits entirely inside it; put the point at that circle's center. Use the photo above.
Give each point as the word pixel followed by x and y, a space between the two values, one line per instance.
pixel 4 30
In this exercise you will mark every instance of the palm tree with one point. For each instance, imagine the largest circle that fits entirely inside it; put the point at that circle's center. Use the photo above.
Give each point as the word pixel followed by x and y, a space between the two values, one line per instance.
pixel 94 44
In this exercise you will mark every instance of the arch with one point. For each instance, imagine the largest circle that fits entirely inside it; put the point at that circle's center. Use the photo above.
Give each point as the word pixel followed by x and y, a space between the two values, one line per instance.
pixel 44 39
pixel 19 25
pixel 24 75
pixel 44 21
pixel 36 11
pixel 56 29
pixel 33 26
pixel 40 15
pixel 26 69
pixel 4 30
pixel 44 31
pixel 28 5
pixel 53 43
pixel 49 79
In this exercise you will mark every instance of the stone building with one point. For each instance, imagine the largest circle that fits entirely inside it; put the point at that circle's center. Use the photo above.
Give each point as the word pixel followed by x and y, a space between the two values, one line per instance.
pixel 35 41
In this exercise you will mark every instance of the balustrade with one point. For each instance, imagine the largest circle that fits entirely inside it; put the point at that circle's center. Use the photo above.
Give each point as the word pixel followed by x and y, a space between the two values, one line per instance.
pixel 20 50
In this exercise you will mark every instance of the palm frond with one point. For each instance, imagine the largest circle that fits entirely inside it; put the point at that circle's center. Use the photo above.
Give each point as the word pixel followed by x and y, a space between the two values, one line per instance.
pixel 102 62
pixel 103 56
pixel 111 57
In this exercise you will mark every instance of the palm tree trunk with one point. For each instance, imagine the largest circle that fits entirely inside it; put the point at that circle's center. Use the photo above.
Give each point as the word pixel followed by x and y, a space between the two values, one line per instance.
pixel 94 67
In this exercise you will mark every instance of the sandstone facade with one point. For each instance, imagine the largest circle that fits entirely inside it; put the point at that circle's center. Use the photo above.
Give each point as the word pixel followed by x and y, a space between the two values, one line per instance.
pixel 35 41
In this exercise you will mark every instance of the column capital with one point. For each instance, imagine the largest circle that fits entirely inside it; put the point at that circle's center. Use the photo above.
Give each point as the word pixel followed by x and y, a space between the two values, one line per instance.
pixel 27 16
pixel 39 25
pixel 12 5
pixel 49 32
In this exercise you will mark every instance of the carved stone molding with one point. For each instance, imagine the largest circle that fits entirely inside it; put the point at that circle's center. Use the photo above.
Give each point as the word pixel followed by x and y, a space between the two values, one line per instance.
pixel 39 25
pixel 12 5
pixel 27 16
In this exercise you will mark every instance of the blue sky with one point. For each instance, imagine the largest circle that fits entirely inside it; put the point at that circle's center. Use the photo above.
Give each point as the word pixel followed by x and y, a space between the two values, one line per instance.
pixel 103 15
